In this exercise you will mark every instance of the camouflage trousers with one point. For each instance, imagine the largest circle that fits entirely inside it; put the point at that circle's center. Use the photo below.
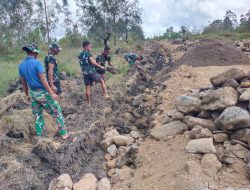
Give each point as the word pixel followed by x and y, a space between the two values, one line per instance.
pixel 41 100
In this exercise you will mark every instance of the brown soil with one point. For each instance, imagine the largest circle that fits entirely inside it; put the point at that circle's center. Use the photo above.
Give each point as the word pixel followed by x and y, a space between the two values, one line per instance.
pixel 214 53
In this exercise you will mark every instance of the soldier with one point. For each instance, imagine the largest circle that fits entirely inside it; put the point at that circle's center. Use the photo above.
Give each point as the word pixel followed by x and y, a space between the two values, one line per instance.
pixel 133 60
pixel 51 67
pixel 88 66
pixel 43 97
pixel 102 59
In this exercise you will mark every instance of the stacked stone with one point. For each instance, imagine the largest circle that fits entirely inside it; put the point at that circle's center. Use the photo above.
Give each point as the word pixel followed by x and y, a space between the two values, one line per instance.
pixel 216 119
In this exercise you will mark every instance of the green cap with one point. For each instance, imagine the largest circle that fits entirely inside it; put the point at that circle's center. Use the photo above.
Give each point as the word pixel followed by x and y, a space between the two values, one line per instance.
pixel 55 46
pixel 31 48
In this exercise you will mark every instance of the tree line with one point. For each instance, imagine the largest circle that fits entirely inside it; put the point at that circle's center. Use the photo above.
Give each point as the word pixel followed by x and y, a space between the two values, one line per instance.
pixel 100 20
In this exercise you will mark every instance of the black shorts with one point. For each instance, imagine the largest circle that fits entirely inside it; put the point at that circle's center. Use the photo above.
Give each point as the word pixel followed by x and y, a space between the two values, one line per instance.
pixel 57 84
pixel 90 78
pixel 100 71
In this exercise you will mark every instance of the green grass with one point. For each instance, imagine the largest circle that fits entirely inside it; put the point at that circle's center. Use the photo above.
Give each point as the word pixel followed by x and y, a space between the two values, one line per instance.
pixel 68 62
pixel 225 36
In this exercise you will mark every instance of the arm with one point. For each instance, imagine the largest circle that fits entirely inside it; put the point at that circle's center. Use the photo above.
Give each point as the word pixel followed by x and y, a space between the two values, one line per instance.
pixel 93 62
pixel 50 76
pixel 25 86
pixel 110 64
pixel 46 85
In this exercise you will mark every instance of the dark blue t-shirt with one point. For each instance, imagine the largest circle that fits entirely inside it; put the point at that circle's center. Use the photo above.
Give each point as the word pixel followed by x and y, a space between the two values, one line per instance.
pixel 29 69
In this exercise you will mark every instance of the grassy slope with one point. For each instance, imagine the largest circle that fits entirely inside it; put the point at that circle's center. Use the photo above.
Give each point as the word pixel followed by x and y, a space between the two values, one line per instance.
pixel 229 36
pixel 67 62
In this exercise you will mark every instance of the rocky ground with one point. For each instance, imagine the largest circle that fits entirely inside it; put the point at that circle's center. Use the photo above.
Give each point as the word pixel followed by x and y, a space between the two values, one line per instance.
pixel 180 124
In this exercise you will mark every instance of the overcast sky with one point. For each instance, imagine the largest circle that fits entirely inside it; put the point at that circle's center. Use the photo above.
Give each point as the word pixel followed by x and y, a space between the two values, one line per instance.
pixel 160 14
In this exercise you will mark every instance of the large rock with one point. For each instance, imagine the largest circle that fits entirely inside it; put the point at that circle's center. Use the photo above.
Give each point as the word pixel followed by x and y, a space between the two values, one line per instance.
pixel 64 182
pixel 123 140
pixel 193 121
pixel 210 164
pixel 245 96
pixel 199 132
pixel 239 151
pixel 233 118
pixel 234 73
pixel 242 135
pixel 104 184
pixel 204 145
pixel 111 134
pixel 219 99
pixel 231 83
pixel 169 130
pixel 87 182
pixel 112 150
pixel 188 104
pixel 220 137
pixel 106 143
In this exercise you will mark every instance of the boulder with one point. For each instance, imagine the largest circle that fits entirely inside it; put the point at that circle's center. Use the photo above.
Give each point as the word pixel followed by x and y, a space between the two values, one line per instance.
pixel 239 151
pixel 220 137
pixel 125 173
pixel 106 143
pixel 134 134
pixel 188 104
pixel 64 182
pixel 123 140
pixel 169 130
pixel 210 164
pixel 87 182
pixel 199 132
pixel 242 135
pixel 138 100
pixel 233 118
pixel 231 83
pixel 111 164
pixel 104 184
pixel 112 150
pixel 235 73
pixel 204 145
pixel 219 99
pixel 193 121
pixel 245 96
pixel 225 156
pixel 241 90
pixel 111 134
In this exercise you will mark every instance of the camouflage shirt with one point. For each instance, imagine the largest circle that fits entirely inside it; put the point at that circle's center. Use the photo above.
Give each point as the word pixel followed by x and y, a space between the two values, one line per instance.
pixel 86 66
pixel 50 59
pixel 131 58
pixel 102 59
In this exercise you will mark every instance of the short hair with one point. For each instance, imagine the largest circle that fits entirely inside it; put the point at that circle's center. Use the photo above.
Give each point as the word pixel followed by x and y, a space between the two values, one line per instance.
pixel 85 43
pixel 141 57
pixel 106 48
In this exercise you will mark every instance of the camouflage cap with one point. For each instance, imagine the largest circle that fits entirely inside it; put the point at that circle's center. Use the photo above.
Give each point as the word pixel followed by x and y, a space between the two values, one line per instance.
pixel 55 46
pixel 31 48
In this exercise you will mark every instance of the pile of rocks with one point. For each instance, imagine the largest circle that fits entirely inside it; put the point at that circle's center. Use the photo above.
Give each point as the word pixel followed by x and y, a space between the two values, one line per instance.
pixel 87 182
pixel 216 119
pixel 121 151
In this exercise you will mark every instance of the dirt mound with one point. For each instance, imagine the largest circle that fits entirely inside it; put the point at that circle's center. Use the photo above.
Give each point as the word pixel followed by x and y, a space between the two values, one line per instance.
pixel 214 53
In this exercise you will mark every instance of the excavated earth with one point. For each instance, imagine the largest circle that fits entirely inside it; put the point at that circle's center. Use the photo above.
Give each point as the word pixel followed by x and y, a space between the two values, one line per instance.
pixel 169 70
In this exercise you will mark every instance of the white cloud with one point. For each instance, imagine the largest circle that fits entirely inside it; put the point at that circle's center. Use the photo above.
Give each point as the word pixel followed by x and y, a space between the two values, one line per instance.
pixel 160 14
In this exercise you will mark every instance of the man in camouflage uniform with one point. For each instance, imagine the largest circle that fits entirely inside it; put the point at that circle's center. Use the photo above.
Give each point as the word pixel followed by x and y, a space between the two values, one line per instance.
pixel 88 66
pixel 32 75
pixel 133 61
pixel 51 67
pixel 102 59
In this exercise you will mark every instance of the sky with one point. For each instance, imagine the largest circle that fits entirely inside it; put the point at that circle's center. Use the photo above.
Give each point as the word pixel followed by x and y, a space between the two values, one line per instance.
pixel 158 15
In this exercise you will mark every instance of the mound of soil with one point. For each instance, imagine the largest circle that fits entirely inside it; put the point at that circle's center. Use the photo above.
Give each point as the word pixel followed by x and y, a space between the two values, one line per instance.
pixel 214 53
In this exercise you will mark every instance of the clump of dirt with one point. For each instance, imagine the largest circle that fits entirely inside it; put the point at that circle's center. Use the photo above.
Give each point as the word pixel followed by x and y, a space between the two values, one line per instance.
pixel 214 53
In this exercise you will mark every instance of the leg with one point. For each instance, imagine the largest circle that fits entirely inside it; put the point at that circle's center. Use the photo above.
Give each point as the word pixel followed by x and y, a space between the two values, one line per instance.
pixel 55 111
pixel 103 77
pixel 97 78
pixel 88 94
pixel 104 89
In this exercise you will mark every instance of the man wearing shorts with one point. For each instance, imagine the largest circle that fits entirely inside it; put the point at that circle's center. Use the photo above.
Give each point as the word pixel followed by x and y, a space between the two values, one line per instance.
pixel 51 67
pixel 88 66
pixel 43 97
pixel 102 59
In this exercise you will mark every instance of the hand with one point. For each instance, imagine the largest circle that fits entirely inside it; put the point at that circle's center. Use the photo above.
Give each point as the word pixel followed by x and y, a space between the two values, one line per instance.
pixel 53 88
pixel 103 68
pixel 54 96
pixel 27 99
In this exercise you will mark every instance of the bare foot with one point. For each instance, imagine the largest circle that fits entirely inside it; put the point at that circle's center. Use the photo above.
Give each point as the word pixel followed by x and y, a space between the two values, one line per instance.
pixel 66 136
pixel 107 96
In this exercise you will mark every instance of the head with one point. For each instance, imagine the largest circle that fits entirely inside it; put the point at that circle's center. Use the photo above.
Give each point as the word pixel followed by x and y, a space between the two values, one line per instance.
pixel 106 50
pixel 140 58
pixel 86 45
pixel 55 48
pixel 31 50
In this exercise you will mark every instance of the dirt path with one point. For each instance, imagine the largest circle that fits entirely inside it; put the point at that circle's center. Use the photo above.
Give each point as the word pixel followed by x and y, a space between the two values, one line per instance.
pixel 165 165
